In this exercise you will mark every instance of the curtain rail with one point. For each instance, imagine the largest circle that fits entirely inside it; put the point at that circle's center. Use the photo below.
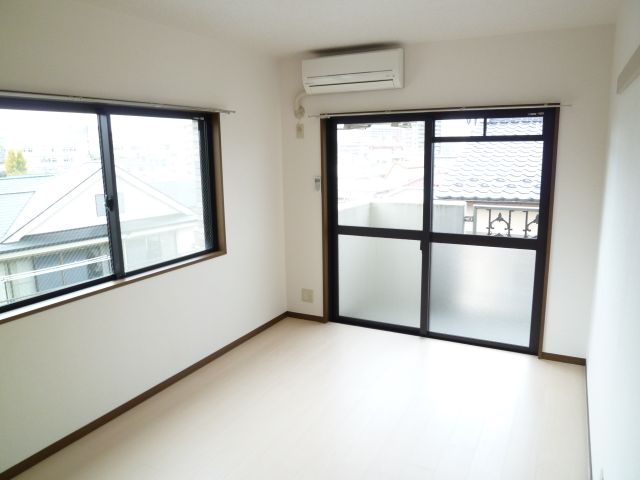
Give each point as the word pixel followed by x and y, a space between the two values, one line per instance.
pixel 106 101
pixel 441 109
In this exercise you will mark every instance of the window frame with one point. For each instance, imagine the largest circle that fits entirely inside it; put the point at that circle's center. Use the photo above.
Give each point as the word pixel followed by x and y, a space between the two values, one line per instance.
pixel 212 197
pixel 541 244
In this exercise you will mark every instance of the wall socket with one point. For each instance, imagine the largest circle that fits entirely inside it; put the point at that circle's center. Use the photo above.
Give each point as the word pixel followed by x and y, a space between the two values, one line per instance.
pixel 307 295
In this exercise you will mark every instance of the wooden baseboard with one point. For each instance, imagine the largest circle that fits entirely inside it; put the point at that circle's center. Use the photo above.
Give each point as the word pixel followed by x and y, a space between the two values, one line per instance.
pixel 107 417
pixel 562 358
pixel 305 316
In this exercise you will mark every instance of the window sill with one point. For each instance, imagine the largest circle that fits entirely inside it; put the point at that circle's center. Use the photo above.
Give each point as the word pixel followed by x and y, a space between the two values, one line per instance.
pixel 103 287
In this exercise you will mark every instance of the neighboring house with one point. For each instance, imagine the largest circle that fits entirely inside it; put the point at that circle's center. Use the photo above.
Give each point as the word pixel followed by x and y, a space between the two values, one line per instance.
pixel 494 187
pixel 42 248
pixel 490 188
pixel 483 188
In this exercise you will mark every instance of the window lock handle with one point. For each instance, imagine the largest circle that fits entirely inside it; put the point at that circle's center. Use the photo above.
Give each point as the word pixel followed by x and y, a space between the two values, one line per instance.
pixel 109 202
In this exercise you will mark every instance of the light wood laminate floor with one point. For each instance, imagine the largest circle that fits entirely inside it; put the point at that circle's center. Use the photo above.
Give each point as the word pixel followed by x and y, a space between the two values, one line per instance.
pixel 305 400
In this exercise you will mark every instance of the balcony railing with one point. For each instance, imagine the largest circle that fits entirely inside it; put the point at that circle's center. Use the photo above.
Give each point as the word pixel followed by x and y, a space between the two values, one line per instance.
pixel 29 278
pixel 501 221
pixel 449 216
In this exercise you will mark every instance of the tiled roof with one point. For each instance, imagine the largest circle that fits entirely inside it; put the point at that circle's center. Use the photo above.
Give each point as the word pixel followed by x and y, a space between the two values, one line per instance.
pixel 50 191
pixel 489 171
pixel 15 192
pixel 24 199
pixel 21 183
pixel 514 126
pixel 87 233
pixel 11 204
pixel 54 238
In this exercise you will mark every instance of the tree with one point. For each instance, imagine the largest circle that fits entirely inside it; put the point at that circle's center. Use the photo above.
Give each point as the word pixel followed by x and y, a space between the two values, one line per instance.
pixel 15 163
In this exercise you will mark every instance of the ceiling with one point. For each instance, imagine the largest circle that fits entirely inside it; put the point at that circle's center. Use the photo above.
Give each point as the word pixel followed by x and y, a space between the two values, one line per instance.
pixel 284 27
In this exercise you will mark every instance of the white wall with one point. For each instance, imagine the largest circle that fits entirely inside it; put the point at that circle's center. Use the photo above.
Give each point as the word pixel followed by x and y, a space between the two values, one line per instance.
pixel 568 66
pixel 613 361
pixel 63 368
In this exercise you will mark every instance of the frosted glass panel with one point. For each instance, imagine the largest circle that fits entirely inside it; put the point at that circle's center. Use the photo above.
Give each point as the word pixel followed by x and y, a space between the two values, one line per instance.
pixel 380 279
pixel 381 174
pixel 482 292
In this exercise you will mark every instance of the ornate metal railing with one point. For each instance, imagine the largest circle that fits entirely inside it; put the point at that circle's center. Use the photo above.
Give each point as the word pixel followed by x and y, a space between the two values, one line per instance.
pixel 504 221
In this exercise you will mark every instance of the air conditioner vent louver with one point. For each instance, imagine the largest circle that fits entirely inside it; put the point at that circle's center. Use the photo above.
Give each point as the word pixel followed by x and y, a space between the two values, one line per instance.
pixel 353 72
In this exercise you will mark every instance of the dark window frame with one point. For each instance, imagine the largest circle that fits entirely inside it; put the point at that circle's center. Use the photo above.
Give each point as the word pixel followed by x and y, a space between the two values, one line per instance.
pixel 426 236
pixel 210 161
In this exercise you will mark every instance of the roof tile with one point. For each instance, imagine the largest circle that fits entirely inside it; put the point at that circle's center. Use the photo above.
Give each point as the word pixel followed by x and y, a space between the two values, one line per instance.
pixel 490 171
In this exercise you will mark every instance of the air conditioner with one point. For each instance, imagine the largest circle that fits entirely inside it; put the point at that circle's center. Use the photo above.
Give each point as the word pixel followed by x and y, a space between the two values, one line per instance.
pixel 354 72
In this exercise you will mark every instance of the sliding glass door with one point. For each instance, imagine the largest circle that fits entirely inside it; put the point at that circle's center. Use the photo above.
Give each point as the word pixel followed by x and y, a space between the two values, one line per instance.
pixel 380 217
pixel 438 223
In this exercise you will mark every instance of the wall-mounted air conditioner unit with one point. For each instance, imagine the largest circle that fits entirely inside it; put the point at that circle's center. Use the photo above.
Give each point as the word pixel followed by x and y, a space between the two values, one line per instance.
pixel 353 72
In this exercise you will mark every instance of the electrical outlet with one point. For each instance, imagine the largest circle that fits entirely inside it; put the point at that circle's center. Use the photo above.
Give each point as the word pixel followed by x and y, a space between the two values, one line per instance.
pixel 307 295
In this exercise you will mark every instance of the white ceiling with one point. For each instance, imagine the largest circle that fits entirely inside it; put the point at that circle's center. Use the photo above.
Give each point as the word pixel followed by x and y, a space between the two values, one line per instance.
pixel 283 27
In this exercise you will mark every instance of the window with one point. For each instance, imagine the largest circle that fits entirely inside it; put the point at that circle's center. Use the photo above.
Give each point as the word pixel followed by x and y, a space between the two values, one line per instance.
pixel 65 172
pixel 158 169
pixel 437 222
pixel 487 187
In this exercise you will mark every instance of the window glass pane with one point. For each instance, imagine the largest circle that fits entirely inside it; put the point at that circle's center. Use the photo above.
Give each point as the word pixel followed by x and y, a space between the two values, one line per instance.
pixel 380 279
pixel 514 126
pixel 459 127
pixel 487 188
pixel 52 235
pixel 158 172
pixel 381 175
pixel 484 293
